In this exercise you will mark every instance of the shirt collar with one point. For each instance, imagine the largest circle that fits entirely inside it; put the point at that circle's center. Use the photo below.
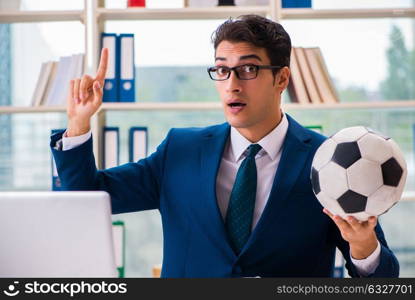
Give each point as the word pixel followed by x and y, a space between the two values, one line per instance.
pixel 271 143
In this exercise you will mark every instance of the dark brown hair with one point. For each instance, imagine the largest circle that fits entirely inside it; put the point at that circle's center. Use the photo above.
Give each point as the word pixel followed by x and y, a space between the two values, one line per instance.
pixel 259 32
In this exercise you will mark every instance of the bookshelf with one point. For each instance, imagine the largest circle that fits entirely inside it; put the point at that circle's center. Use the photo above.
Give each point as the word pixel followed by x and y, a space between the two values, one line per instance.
pixel 295 14
pixel 94 15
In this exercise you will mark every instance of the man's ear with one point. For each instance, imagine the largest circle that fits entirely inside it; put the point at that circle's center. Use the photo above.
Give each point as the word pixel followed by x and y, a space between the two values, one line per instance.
pixel 282 79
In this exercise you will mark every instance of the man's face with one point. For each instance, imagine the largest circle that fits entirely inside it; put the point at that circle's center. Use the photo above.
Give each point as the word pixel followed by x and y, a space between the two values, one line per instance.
pixel 249 104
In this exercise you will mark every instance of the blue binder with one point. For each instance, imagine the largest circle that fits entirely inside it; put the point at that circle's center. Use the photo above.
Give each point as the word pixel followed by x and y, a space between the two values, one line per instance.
pixel 111 146
pixel 126 68
pixel 296 3
pixel 138 143
pixel 56 182
pixel 110 41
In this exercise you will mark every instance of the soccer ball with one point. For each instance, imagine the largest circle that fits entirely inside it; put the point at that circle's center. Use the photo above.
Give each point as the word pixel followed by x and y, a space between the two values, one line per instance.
pixel 358 172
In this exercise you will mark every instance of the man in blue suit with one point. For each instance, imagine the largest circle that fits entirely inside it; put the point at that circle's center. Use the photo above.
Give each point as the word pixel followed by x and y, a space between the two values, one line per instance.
pixel 235 198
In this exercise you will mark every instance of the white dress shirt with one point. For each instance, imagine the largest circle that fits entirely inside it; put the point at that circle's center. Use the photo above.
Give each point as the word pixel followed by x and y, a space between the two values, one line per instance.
pixel 267 161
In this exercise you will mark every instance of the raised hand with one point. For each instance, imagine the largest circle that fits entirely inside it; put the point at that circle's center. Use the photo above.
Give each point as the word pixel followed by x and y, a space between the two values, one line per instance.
pixel 85 98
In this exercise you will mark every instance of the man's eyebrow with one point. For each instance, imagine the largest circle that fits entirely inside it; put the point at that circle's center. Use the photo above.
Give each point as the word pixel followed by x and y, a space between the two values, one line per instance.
pixel 250 56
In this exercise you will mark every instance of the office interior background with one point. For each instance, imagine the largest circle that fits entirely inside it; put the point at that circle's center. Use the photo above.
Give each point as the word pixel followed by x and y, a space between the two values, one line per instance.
pixel 368 46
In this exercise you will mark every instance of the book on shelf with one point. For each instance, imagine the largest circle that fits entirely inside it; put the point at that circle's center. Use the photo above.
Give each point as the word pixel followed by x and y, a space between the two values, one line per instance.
pixel 119 85
pixel 51 77
pixel 323 87
pixel 136 3
pixel 307 76
pixel 56 96
pixel 127 70
pixel 109 40
pixel 310 81
pixel 325 72
pixel 296 88
pixel 226 2
pixel 296 3
pixel 42 83
pixel 53 80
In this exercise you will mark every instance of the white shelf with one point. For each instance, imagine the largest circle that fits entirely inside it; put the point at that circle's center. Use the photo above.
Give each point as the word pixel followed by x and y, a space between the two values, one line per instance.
pixel 31 109
pixel 352 105
pixel 307 13
pixel 187 13
pixel 41 16
pixel 209 106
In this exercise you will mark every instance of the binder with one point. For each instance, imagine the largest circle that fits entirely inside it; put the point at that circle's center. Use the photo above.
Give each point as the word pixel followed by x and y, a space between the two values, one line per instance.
pixel 138 143
pixel 109 40
pixel 136 3
pixel 118 233
pixel 226 2
pixel 126 68
pixel 56 182
pixel 296 3
pixel 111 142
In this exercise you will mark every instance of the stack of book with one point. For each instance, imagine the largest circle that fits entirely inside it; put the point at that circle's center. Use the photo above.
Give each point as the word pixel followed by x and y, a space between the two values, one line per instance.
pixel 310 81
pixel 53 80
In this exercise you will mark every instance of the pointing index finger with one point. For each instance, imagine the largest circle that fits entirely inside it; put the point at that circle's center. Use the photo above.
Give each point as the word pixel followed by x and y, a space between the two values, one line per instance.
pixel 103 65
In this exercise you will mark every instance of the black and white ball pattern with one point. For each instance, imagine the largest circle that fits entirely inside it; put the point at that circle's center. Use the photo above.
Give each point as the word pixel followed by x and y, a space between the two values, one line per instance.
pixel 358 172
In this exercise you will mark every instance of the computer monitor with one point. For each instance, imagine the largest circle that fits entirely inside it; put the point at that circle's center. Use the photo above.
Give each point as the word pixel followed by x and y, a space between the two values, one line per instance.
pixel 56 234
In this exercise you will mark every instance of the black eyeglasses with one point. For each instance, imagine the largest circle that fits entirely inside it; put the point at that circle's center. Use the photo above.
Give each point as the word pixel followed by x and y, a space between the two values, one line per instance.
pixel 243 72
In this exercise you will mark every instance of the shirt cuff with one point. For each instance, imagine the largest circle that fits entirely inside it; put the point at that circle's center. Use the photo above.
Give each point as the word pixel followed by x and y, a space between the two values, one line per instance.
pixel 369 264
pixel 69 143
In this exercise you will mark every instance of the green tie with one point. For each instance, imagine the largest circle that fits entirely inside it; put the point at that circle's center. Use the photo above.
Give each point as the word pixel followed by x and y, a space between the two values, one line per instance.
pixel 242 201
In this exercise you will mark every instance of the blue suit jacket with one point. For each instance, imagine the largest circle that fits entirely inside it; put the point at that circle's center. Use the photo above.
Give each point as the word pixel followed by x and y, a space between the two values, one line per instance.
pixel 293 237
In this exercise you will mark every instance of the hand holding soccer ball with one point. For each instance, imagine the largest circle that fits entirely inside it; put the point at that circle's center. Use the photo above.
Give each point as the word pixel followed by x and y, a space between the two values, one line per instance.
pixel 358 172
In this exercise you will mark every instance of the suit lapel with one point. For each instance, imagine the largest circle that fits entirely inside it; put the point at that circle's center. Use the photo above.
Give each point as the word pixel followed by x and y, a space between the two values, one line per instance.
pixel 212 149
pixel 293 158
